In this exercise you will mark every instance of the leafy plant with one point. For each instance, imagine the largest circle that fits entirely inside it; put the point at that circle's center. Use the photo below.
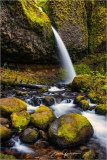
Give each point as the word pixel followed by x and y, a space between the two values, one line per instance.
pixel 62 73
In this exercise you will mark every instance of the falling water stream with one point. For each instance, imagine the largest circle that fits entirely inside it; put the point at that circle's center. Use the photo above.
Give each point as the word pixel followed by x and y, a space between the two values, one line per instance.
pixel 65 59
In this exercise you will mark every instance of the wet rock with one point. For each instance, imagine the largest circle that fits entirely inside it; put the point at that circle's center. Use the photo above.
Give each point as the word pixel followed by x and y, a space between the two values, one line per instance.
pixel 4 121
pixel 84 104
pixel 31 38
pixel 20 93
pixel 42 116
pixel 20 119
pixel 43 134
pixel 70 130
pixel 48 100
pixel 7 156
pixel 79 82
pixel 101 109
pixel 90 154
pixel 5 133
pixel 29 135
pixel 41 144
pixel 10 105
pixel 78 99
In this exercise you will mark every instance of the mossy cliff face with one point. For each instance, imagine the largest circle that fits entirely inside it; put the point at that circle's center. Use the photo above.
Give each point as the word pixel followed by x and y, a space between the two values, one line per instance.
pixel 26 33
pixel 69 17
pixel 96 22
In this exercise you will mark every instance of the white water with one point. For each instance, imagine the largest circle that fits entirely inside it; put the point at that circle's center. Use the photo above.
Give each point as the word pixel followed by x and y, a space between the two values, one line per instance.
pixel 65 58
pixel 21 147
pixel 55 89
pixel 99 124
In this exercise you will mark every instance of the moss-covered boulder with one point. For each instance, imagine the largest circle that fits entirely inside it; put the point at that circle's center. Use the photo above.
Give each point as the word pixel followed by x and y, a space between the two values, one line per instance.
pixel 5 133
pixel 84 104
pixel 20 120
pixel 80 83
pixel 7 156
pixel 29 135
pixel 101 109
pixel 78 99
pixel 10 105
pixel 42 117
pixel 70 130
pixel 48 100
pixel 69 17
pixel 31 30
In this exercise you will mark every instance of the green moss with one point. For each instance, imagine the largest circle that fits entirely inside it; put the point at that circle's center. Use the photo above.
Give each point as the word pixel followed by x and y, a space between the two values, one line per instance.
pixel 96 14
pixel 79 98
pixel 34 15
pixel 41 116
pixel 70 130
pixel 20 119
pixel 4 132
pixel 84 104
pixel 101 109
pixel 7 156
pixel 12 104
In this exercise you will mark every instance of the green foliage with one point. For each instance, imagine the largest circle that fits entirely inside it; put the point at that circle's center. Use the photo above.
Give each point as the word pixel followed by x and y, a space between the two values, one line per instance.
pixel 5 65
pixel 82 69
pixel 62 73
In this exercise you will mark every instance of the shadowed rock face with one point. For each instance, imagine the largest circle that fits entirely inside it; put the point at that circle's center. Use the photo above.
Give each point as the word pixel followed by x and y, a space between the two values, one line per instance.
pixel 26 34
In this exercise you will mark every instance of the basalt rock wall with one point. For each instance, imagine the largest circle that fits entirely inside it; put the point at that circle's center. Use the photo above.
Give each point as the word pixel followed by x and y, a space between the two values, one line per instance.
pixel 27 37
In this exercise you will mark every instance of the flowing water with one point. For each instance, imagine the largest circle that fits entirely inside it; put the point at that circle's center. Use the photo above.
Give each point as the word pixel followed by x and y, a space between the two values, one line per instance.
pixel 65 59
pixel 63 103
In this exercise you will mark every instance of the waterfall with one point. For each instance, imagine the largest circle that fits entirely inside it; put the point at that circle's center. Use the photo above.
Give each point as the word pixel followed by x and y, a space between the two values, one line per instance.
pixel 65 58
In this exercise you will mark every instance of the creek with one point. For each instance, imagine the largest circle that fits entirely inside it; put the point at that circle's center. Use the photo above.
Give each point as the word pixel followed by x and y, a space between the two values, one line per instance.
pixel 63 103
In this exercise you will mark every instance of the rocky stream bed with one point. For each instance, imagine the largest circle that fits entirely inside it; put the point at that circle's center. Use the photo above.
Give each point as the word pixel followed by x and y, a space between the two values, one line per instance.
pixel 44 145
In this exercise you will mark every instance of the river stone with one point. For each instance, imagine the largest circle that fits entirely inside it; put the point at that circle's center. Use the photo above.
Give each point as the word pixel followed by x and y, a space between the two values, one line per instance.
pixel 5 133
pixel 70 130
pixel 42 116
pixel 10 105
pixel 48 100
pixel 101 109
pixel 78 99
pixel 89 154
pixel 84 104
pixel 20 119
pixel 29 135
pixel 4 121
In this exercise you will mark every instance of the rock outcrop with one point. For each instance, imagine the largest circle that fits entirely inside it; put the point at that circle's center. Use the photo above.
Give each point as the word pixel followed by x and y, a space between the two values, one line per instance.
pixel 26 33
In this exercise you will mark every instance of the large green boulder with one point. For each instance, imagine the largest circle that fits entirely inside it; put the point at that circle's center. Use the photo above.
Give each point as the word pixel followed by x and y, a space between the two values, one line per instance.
pixel 42 117
pixel 5 133
pixel 70 130
pixel 10 105
pixel 20 120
